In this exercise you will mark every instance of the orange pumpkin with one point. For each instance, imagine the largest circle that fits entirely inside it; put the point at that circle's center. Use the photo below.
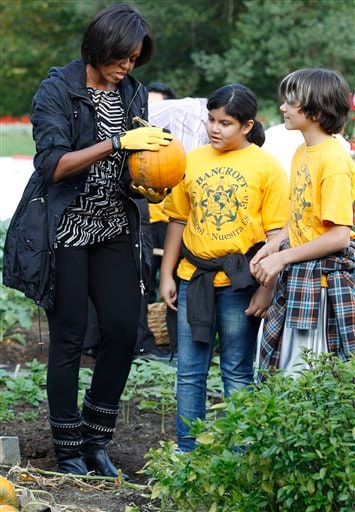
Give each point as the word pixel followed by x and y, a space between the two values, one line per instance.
pixel 8 497
pixel 158 169
pixel 8 508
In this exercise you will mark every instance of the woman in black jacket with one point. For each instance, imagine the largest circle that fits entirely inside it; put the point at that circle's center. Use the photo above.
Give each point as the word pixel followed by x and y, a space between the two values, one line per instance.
pixel 76 231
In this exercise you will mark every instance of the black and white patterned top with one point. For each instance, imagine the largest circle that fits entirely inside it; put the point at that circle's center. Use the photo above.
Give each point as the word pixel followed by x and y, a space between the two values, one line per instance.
pixel 97 214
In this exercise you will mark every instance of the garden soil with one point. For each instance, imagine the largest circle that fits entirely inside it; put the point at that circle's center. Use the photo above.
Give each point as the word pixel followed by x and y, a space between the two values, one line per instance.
pixel 129 445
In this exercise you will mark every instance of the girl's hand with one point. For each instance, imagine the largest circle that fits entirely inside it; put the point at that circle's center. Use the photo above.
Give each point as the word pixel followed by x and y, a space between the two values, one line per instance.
pixel 260 302
pixel 168 291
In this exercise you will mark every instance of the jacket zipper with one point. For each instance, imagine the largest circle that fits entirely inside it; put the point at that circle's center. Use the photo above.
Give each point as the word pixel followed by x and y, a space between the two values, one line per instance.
pixel 37 199
pixel 141 282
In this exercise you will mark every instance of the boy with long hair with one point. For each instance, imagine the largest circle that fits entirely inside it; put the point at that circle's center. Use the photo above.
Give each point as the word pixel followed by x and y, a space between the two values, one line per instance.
pixel 314 254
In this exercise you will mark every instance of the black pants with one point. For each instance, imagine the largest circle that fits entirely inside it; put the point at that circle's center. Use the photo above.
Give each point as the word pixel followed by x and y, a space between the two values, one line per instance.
pixel 107 273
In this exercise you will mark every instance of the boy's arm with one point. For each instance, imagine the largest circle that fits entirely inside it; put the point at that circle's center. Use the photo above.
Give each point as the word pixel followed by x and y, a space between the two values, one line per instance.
pixel 172 249
pixel 335 239
pixel 261 299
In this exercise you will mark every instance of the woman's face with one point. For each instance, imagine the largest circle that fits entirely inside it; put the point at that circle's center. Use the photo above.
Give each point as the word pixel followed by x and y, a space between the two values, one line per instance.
pixel 225 132
pixel 116 70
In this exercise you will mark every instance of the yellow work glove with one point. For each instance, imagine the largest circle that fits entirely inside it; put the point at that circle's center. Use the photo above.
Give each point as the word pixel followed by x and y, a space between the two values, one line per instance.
pixel 153 196
pixel 150 138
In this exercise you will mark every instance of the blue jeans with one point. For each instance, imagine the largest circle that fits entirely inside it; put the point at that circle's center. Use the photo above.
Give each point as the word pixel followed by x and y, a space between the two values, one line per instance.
pixel 237 336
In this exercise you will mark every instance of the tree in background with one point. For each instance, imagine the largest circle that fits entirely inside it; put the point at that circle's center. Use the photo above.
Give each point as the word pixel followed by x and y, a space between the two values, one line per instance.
pixel 271 38
pixel 37 34
pixel 201 44
pixel 181 28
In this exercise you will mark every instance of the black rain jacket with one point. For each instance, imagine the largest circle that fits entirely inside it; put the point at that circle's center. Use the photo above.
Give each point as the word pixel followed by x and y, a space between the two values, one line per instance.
pixel 64 120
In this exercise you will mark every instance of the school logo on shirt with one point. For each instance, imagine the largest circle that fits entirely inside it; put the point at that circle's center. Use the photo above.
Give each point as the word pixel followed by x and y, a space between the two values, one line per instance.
pixel 301 206
pixel 221 201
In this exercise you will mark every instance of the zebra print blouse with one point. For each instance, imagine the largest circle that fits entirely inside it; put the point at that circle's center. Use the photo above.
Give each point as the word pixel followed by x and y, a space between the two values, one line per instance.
pixel 97 214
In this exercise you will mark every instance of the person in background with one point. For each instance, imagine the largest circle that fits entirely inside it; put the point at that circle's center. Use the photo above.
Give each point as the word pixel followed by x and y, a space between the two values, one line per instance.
pixel 153 231
pixel 146 346
pixel 186 119
pixel 78 206
pixel 232 198
pixel 158 226
pixel 158 91
pixel 282 143
pixel 314 254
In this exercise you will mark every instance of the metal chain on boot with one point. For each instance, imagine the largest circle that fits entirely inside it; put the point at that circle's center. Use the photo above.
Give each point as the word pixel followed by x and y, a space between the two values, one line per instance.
pixel 68 441
pixel 98 426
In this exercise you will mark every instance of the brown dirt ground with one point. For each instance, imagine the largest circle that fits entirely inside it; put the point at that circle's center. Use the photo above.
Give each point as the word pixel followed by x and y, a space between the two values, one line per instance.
pixel 129 445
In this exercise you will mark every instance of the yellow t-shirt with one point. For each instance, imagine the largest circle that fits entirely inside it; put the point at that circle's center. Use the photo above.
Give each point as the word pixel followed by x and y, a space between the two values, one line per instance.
pixel 322 189
pixel 156 213
pixel 229 200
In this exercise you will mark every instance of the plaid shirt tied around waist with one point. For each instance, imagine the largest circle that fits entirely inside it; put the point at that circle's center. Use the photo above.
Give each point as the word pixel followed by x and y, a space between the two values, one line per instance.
pixel 296 304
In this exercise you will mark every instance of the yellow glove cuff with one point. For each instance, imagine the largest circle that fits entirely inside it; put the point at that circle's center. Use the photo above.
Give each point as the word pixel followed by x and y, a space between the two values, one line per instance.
pixel 153 196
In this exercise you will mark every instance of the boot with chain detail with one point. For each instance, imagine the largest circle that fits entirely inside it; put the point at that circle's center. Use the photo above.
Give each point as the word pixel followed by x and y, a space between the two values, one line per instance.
pixel 98 426
pixel 68 442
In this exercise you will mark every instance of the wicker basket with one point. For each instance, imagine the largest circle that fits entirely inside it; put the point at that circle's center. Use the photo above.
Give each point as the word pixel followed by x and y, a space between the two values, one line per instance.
pixel 157 322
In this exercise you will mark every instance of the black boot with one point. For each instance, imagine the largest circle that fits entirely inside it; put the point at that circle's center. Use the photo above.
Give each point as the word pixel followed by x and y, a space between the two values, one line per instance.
pixel 98 426
pixel 68 441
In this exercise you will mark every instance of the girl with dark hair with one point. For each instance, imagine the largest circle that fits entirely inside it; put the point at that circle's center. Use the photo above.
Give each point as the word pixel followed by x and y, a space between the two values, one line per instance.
pixel 76 233
pixel 233 197
pixel 240 103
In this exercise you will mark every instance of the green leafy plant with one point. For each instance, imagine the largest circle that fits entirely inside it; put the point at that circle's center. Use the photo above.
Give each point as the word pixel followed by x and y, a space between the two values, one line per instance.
pixel 162 401
pixel 16 311
pixel 85 375
pixel 146 378
pixel 27 386
pixel 286 444
pixel 152 384
pixel 159 391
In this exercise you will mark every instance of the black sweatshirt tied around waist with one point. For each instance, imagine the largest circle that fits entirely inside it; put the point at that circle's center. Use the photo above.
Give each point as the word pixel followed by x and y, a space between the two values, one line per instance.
pixel 200 290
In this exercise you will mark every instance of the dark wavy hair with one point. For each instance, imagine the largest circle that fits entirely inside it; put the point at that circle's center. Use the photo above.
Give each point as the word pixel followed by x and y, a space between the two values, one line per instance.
pixel 114 34
pixel 323 95
pixel 167 92
pixel 239 102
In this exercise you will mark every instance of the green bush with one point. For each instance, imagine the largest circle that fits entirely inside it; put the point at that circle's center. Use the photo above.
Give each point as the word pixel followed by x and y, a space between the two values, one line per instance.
pixel 296 439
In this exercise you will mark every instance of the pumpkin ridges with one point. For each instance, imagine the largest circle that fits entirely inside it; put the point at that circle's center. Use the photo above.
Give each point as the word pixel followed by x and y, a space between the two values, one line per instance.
pixel 7 494
pixel 158 169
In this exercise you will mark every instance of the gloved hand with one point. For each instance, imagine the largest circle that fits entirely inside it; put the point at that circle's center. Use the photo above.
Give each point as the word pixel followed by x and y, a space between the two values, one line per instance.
pixel 149 137
pixel 153 196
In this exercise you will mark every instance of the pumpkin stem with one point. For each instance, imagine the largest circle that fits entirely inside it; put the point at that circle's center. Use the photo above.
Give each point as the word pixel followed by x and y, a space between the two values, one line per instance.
pixel 137 119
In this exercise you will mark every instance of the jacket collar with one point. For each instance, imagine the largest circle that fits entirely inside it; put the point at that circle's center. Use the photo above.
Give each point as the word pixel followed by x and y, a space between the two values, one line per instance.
pixel 74 75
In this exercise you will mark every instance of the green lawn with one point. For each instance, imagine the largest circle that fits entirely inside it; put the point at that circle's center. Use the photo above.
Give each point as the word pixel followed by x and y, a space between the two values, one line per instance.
pixel 16 140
